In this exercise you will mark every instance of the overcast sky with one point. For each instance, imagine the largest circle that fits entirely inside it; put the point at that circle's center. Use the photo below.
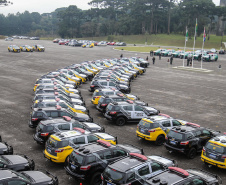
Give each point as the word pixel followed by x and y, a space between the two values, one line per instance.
pixel 47 6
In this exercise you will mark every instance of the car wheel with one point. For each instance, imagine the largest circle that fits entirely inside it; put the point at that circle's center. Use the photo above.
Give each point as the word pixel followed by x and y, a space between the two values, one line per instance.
pixel 192 153
pixel 96 179
pixel 121 121
pixel 160 140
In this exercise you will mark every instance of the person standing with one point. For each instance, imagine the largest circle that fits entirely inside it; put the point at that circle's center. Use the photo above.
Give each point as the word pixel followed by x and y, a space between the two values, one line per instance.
pixel 171 60
pixel 147 58
pixel 153 60
pixel 121 55
pixel 150 53
pixel 188 61
pixel 159 56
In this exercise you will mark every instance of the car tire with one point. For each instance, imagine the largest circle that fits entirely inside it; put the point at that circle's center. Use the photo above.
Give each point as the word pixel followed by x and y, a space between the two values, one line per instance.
pixel 192 153
pixel 120 121
pixel 96 179
pixel 160 140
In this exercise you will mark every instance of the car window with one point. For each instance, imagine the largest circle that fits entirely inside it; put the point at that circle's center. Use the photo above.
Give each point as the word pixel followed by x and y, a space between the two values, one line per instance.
pixel 195 182
pixel 128 108
pixel 138 108
pixel 64 114
pixel 48 114
pixel 79 140
pixel 131 176
pixel 156 166
pixel 119 153
pixel 166 123
pixel 176 123
pixel 54 114
pixel 92 138
pixel 144 170
pixel 78 125
pixel 198 133
pixel 103 83
pixel 206 133
pixel 64 127
pixel 39 114
pixel 16 182
pixel 91 159
pixel 106 155
pixel 111 84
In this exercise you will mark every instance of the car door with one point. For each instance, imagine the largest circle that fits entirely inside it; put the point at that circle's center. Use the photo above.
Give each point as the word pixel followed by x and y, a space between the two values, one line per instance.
pixel 138 112
pixel 205 136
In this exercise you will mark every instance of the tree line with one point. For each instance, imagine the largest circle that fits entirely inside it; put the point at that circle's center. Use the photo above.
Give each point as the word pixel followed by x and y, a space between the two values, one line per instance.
pixel 118 17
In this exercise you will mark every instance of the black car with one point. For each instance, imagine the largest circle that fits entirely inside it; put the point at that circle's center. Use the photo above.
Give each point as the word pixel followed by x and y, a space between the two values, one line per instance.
pixel 5 149
pixel 178 176
pixel 49 96
pixel 47 127
pixel 102 84
pixel 39 114
pixel 89 161
pixel 16 162
pixel 188 139
pixel 134 169
pixel 222 51
pixel 105 100
pixel 123 112
pixel 10 177
pixel 108 77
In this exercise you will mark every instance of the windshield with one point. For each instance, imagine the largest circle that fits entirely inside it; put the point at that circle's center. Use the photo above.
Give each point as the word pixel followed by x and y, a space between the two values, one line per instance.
pixel 113 174
pixel 148 125
pixel 76 158
pixel 99 93
pixel 4 160
pixel 23 176
pixel 56 144
pixel 175 135
pixel 216 148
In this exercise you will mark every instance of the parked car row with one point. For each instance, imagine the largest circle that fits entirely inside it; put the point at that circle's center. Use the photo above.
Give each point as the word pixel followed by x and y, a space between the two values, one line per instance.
pixel 20 169
pixel 26 48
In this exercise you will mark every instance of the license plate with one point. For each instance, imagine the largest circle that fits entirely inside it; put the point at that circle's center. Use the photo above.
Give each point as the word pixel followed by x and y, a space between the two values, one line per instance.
pixel 73 167
pixel 109 183
pixel 212 156
pixel 173 142
pixel 142 130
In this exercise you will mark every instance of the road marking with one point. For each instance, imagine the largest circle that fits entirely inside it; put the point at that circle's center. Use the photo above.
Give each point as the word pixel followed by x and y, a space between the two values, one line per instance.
pixel 193 69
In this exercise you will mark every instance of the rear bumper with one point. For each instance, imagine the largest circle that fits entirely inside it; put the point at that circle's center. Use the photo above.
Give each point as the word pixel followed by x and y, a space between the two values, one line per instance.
pixel 146 137
pixel 174 149
pixel 74 175
pixel 212 162
pixel 38 140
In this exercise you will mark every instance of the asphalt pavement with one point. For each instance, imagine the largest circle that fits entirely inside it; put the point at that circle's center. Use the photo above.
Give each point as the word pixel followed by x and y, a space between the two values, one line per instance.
pixel 190 95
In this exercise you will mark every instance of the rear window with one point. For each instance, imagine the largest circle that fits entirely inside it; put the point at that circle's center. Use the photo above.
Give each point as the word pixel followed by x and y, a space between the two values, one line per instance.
pixel 113 174
pixel 175 135
pixel 101 99
pixel 99 93
pixel 57 144
pixel 216 148
pixel 77 158
pixel 44 128
pixel 147 124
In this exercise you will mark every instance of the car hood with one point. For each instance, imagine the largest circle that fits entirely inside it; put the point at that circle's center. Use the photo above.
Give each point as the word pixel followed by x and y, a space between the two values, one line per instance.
pixel 150 109
pixel 162 160
pixel 37 176
pixel 82 117
pixel 16 159
pixel 123 86
pixel 3 146
pixel 79 107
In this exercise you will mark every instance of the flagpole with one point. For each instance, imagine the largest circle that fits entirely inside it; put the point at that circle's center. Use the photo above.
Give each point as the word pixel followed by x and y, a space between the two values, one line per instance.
pixel 204 35
pixel 194 43
pixel 185 44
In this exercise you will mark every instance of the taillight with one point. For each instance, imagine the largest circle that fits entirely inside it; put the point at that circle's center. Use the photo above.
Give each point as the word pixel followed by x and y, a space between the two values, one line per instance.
pixel 204 150
pixel 34 119
pixel 104 105
pixel 101 176
pixel 92 86
pixel 85 168
pixel 152 130
pixel 44 134
pixel 59 150
pixel 166 137
pixel 94 97
pixel 112 113
pixel 184 143
pixel 223 157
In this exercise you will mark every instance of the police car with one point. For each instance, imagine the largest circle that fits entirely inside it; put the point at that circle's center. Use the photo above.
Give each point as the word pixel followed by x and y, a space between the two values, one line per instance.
pixel 48 127
pixel 134 169
pixel 60 145
pixel 214 152
pixel 123 112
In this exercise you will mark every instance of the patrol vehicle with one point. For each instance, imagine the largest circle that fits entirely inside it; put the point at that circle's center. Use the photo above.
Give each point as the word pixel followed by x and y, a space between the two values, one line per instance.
pixel 155 128
pixel 60 145
pixel 214 152
pixel 13 48
pixel 210 57
pixel 48 127
pixel 188 139
pixel 10 177
pixel 134 169
pixel 123 112
pixel 178 176
pixel 38 48
pixel 26 48
pixel 39 114
pixel 89 161
pixel 159 51
pixel 82 71
pixel 72 78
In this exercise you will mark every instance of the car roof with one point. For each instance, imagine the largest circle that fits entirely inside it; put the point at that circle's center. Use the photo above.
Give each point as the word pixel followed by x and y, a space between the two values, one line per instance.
pixel 185 128
pixel 6 174
pixel 70 134
pixel 57 120
pixel 219 139
pixel 49 108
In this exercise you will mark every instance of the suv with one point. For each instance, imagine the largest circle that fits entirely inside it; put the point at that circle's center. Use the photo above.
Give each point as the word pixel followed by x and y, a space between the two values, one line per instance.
pixel 62 103
pixel 134 168
pixel 214 152
pixel 123 112
pixel 89 161
pixel 39 114
pixel 101 84
pixel 27 178
pixel 60 96
pixel 60 145
pixel 5 149
pixel 105 100
pixel 108 92
pixel 178 176
pixel 156 127
pixel 47 127
pixel 188 139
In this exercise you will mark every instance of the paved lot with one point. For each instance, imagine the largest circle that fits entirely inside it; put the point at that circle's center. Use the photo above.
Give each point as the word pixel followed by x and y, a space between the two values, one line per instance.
pixel 193 96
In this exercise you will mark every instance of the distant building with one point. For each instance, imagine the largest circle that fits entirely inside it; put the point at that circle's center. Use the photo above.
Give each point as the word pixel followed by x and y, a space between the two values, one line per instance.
pixel 221 24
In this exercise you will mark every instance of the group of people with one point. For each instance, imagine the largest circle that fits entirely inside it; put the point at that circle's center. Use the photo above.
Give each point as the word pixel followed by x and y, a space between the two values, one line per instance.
pixel 153 58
